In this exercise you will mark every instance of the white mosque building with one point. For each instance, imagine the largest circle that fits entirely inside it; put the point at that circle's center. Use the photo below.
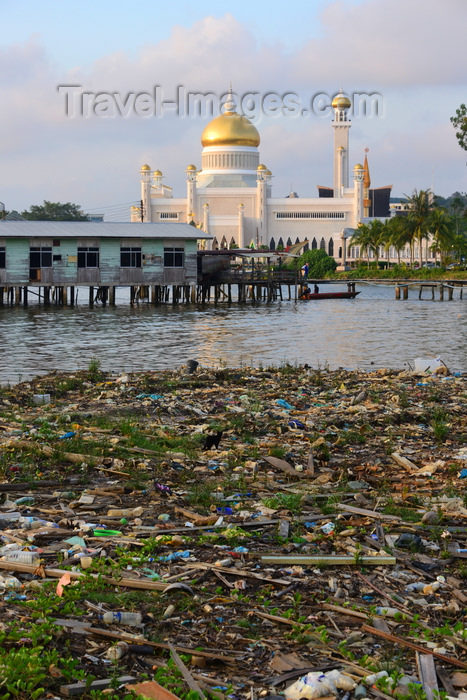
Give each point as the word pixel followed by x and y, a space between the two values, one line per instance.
pixel 230 197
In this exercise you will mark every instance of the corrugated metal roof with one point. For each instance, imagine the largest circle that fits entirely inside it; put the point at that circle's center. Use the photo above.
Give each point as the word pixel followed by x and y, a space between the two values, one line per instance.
pixel 98 229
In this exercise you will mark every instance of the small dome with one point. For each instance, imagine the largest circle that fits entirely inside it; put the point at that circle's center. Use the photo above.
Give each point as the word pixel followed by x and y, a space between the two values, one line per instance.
pixel 145 167
pixel 359 166
pixel 261 167
pixel 157 173
pixel 341 101
pixel 268 172
pixel 191 167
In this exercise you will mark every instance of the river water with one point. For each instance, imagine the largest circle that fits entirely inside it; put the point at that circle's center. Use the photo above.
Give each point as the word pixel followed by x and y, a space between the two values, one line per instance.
pixel 372 331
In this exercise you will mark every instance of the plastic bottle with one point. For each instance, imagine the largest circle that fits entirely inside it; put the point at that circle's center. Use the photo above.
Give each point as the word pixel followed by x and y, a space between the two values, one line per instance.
pixel 6 549
pixel 116 652
pixel 122 618
pixel 12 515
pixel 370 680
pixel 22 557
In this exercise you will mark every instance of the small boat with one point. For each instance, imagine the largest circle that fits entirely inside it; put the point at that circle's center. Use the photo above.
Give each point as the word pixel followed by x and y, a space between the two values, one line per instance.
pixel 330 295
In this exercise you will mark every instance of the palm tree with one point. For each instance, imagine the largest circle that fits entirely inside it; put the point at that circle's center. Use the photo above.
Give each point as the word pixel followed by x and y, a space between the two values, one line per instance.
pixel 441 227
pixel 421 206
pixel 398 234
pixel 369 237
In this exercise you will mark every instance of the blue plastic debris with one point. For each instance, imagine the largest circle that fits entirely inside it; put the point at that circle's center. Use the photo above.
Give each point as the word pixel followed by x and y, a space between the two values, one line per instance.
pixel 296 424
pixel 154 397
pixel 67 436
pixel 462 473
pixel 284 404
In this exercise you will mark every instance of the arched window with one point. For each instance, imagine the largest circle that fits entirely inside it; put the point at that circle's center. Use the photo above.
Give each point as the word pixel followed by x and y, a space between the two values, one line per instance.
pixel 289 241
pixel 322 244
pixel 215 244
pixel 272 244
pixel 223 243
pixel 314 244
pixel 340 251
pixel 331 247
pixel 297 240
pixel 280 244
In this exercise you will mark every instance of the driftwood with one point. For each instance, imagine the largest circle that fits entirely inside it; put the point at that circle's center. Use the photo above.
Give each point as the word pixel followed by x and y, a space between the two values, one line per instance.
pixel 405 643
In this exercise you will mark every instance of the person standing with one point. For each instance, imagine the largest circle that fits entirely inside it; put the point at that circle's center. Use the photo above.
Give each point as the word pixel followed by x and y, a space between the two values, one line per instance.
pixel 305 269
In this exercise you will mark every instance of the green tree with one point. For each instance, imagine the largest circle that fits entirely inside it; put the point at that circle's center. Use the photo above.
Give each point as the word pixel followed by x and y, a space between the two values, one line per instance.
pixel 418 219
pixel 319 263
pixel 398 234
pixel 460 123
pixel 442 229
pixel 370 237
pixel 54 211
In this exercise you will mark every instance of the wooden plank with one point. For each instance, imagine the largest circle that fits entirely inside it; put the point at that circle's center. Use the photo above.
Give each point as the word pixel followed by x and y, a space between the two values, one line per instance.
pixel 80 688
pixel 144 584
pixel 99 632
pixel 427 674
pixel 405 643
pixel 445 679
pixel 404 462
pixel 244 573
pixel 335 560
pixel 151 690
pixel 192 684
pixel 366 513
pixel 283 466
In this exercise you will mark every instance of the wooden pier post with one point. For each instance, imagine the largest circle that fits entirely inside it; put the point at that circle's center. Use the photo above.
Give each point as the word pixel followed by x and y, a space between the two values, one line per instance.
pixel 441 292
pixel 25 296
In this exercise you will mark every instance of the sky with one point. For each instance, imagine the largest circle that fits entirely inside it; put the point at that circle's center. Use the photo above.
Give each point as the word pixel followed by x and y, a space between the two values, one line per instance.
pixel 86 144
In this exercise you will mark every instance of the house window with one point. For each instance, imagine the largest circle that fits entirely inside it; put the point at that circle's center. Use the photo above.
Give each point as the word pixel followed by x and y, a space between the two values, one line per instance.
pixel 40 257
pixel 174 257
pixel 130 257
pixel 88 257
pixel 2 257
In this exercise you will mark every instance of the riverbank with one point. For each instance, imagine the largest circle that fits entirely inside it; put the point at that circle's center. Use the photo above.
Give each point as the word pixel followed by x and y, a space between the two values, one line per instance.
pixel 262 521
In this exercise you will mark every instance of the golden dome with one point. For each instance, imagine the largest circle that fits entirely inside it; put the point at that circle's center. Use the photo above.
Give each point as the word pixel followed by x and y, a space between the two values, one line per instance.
pixel 191 167
pixel 261 167
pixel 230 129
pixel 341 102
pixel 268 172
pixel 157 173
pixel 145 167
pixel 359 166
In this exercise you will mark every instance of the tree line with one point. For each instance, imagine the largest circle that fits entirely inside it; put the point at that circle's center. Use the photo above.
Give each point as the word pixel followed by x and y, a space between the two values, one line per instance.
pixel 432 227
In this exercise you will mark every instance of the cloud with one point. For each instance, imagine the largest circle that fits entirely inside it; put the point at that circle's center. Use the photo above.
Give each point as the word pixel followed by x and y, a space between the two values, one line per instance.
pixel 414 53
pixel 379 43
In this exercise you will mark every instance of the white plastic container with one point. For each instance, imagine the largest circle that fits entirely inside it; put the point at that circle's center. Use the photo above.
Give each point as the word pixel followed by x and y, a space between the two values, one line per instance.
pixel 23 557
pixel 427 364
pixel 122 618
pixel 40 399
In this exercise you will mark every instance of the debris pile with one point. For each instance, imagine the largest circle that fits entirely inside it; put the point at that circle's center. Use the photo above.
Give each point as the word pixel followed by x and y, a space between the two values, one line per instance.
pixel 242 533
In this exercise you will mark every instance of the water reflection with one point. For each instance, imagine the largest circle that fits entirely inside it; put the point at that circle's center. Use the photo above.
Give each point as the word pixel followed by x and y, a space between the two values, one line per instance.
pixel 373 330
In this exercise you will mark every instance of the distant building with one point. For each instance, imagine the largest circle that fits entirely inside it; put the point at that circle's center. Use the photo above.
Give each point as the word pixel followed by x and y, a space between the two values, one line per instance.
pixel 230 196
pixel 69 253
